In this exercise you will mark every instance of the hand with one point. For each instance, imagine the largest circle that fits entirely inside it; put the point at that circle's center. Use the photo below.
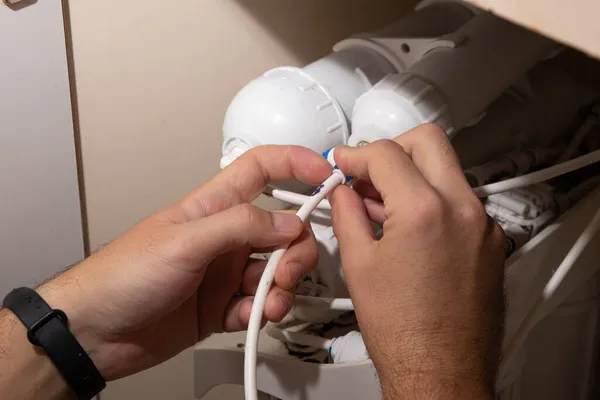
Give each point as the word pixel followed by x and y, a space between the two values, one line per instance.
pixel 429 294
pixel 176 277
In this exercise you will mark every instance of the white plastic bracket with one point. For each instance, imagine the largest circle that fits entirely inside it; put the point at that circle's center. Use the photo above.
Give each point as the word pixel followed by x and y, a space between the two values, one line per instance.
pixel 427 3
pixel 402 53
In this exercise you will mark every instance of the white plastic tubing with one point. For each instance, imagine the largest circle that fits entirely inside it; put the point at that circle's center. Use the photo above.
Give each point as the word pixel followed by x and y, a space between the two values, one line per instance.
pixel 539 176
pixel 311 106
pixel 485 190
pixel 256 315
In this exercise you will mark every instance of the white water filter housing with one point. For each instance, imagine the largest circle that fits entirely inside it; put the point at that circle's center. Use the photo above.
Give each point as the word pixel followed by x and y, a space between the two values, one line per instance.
pixel 451 85
pixel 311 106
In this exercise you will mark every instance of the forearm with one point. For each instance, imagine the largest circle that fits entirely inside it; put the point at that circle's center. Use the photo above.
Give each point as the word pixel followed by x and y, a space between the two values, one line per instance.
pixel 432 367
pixel 427 387
pixel 26 373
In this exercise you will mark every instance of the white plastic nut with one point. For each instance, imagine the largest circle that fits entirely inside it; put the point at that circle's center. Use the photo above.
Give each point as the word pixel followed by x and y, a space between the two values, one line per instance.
pixel 283 106
pixel 397 104
pixel 348 348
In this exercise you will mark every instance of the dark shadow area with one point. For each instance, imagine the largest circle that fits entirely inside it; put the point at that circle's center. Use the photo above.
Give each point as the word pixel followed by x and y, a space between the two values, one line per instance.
pixel 310 27
pixel 76 126
pixel 15 6
pixel 581 67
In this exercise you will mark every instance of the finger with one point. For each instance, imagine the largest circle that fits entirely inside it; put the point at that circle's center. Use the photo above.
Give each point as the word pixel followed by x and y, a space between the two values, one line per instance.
pixel 351 224
pixel 237 314
pixel 366 190
pixel 252 274
pixel 431 151
pixel 278 305
pixel 235 228
pixel 299 260
pixel 243 180
pixel 375 211
pixel 372 199
pixel 391 171
pixel 270 249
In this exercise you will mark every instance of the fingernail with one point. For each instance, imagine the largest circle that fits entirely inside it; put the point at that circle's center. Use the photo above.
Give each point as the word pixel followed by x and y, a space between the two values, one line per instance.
pixel 285 302
pixel 286 222
pixel 296 272
pixel 369 201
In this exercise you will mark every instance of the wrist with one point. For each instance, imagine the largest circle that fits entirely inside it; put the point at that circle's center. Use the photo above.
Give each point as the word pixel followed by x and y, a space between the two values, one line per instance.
pixel 64 293
pixel 26 371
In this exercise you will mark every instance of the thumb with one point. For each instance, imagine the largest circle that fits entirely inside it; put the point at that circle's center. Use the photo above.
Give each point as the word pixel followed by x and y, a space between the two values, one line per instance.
pixel 241 226
pixel 351 223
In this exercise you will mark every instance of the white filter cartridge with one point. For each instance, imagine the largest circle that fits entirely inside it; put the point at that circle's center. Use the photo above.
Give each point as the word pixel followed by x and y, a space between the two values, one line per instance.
pixel 451 85
pixel 311 106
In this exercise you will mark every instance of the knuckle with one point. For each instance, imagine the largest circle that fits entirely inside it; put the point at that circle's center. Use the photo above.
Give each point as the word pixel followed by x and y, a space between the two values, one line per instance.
pixel 476 221
pixel 249 156
pixel 425 132
pixel 310 253
pixel 253 152
pixel 432 130
pixel 385 152
pixel 313 253
pixel 435 136
pixel 429 209
pixel 248 214
pixel 473 215
pixel 498 236
pixel 384 146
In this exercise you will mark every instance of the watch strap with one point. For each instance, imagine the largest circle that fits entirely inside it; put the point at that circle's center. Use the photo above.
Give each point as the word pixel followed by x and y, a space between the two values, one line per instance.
pixel 48 328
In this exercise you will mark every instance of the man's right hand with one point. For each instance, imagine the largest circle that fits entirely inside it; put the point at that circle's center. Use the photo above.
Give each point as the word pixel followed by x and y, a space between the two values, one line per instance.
pixel 429 294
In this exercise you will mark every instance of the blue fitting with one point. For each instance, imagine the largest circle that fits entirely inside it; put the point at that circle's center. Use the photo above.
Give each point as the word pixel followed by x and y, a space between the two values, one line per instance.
pixel 327 154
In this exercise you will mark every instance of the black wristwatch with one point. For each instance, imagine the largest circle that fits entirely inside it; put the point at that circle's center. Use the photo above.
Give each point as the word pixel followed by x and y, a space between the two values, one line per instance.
pixel 49 329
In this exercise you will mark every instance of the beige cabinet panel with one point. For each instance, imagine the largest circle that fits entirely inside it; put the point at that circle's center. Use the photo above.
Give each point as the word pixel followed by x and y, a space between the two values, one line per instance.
pixel 40 214
pixel 573 22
